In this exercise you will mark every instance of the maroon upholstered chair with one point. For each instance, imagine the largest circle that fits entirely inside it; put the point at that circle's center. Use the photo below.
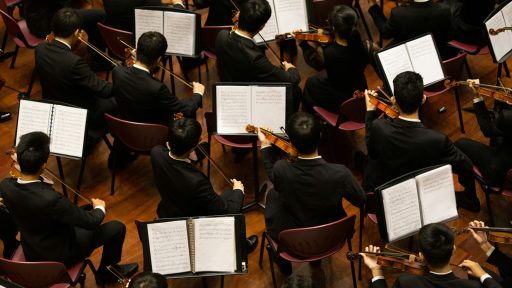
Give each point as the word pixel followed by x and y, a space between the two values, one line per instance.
pixel 112 38
pixel 488 190
pixel 353 110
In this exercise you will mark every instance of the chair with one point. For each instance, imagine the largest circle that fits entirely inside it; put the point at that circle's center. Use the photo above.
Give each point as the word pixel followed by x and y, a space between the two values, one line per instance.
pixel 352 111
pixel 453 68
pixel 43 274
pixel 8 7
pixel 139 137
pixel 310 244
pixel 112 38
pixel 208 37
pixel 488 190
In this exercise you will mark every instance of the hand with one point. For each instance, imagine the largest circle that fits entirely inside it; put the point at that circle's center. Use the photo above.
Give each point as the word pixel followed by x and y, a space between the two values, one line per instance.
pixel 471 84
pixel 371 260
pixel 237 184
pixel 474 269
pixel 263 140
pixel 287 65
pixel 294 32
pixel 480 236
pixel 98 202
pixel 198 88
pixel 2 205
pixel 367 94
pixel 174 2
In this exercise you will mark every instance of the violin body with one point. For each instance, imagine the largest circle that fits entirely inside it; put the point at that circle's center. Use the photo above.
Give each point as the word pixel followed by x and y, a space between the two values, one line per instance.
pixel 390 111
pixel 275 140
pixel 409 265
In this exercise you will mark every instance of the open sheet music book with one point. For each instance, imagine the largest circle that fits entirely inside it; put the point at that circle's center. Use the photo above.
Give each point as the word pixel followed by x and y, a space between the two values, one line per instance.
pixel 180 28
pixel 501 44
pixel 412 201
pixel 287 15
pixel 195 245
pixel 63 124
pixel 237 104
pixel 419 55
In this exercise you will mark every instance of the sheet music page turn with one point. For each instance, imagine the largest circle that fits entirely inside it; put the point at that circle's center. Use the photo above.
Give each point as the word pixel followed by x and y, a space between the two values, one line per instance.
pixel 168 247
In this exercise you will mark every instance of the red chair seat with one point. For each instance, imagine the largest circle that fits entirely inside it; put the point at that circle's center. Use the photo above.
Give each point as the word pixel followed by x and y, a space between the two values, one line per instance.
pixel 329 117
pixel 351 125
pixel 12 2
pixel 373 217
pixel 470 48
pixel 31 39
pixel 225 140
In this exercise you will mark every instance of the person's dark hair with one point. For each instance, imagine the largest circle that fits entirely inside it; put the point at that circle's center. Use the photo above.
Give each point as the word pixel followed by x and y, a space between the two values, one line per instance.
pixel 436 244
pixel 183 135
pixel 32 152
pixel 65 22
pixel 254 14
pixel 343 19
pixel 150 46
pixel 408 91
pixel 148 280
pixel 304 132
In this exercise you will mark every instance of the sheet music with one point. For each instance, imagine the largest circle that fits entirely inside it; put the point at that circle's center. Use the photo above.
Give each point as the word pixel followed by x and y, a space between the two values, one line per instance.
pixel 502 42
pixel 180 32
pixel 270 30
pixel 394 61
pixel 68 130
pixel 148 20
pixel 291 14
pixel 269 101
pixel 215 247
pixel 168 247
pixel 424 58
pixel 401 209
pixel 437 195
pixel 507 14
pixel 233 108
pixel 33 116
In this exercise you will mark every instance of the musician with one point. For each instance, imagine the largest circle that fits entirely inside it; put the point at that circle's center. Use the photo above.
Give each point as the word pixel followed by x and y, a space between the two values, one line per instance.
pixel 494 160
pixel 148 280
pixel 184 190
pixel 307 192
pixel 396 147
pixel 142 98
pixel 8 231
pixel 220 12
pixel 344 61
pixel 436 243
pixel 52 228
pixel 468 20
pixel 420 17
pixel 239 59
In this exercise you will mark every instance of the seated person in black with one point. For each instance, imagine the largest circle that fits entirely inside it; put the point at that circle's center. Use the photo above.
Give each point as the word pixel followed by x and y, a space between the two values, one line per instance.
pixel 309 191
pixel 468 20
pixel 52 228
pixel 344 61
pixel 436 242
pixel 184 190
pixel 8 231
pixel 148 280
pixel 221 12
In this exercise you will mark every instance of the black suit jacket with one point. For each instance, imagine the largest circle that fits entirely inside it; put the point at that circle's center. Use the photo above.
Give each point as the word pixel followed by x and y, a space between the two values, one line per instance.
pixel 186 192
pixel 121 13
pixel 220 13
pixel 39 13
pixel 435 281
pixel 396 147
pixel 504 264
pixel 142 98
pixel 307 192
pixel 47 221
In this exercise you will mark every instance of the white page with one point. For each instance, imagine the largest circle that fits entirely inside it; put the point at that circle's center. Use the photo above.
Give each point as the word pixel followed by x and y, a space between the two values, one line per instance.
pixel 501 43
pixel 215 248
pixel 233 108
pixel 148 20
pixel 168 247
pixel 180 32
pixel 269 107
pixel 68 130
pixel 33 116
pixel 437 195
pixel 270 30
pixel 424 58
pixel 291 14
pixel 507 13
pixel 394 61
pixel 402 209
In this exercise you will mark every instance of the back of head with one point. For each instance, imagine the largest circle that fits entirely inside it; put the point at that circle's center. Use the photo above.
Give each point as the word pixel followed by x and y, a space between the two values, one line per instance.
pixel 184 135
pixel 408 91
pixel 148 280
pixel 436 244
pixel 343 19
pixel 32 152
pixel 65 22
pixel 304 132
pixel 150 46
pixel 254 14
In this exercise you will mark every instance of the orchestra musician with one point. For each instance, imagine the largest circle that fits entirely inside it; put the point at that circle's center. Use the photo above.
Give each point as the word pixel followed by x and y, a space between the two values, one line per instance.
pixel 344 61
pixel 8 231
pixel 468 20
pixel 436 244
pixel 307 192
pixel 52 228
pixel 398 146
pixel 220 12
pixel 148 280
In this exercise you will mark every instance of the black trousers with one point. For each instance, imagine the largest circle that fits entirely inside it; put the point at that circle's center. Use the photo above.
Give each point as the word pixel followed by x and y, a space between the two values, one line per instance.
pixel 8 232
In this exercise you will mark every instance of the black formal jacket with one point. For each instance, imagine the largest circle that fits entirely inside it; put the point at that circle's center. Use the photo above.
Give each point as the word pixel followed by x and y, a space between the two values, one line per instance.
pixel 220 13
pixel 504 264
pixel 142 98
pixel 66 77
pixel 186 191
pixel 39 13
pixel 46 220
pixel 435 281
pixel 396 147
pixel 121 13
pixel 307 192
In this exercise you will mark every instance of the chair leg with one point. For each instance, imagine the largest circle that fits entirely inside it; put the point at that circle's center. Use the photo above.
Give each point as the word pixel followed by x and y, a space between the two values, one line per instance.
pixel 4 41
pixel 13 60
pixel 114 164
pixel 256 172
pixel 61 174
pixel 31 84
pixel 205 283
pixel 361 227
pixel 209 149
pixel 270 260
pixel 357 5
pixel 222 281
pixel 207 70
pixel 468 69
pixel 352 268
pixel 260 262
pixel 459 110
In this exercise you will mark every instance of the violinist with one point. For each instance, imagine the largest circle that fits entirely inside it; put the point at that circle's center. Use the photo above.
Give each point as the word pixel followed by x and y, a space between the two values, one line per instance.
pixel 148 280
pixel 344 61
pixel 436 244
pixel 52 228
pixel 309 191
pixel 396 147
pixel 495 159
pixel 239 59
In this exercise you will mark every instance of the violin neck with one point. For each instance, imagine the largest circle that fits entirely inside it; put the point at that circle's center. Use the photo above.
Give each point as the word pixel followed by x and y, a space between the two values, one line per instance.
pixel 492 229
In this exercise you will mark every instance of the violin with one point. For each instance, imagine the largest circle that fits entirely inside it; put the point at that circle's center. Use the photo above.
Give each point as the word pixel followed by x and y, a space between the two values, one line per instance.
pixel 380 103
pixel 121 280
pixel 409 263
pixel 276 140
pixel 494 234
pixel 319 36
pixel 502 94
pixel 494 32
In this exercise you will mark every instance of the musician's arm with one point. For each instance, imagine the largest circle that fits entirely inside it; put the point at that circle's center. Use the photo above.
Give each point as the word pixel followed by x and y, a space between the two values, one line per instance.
pixel 314 56
pixel 484 119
